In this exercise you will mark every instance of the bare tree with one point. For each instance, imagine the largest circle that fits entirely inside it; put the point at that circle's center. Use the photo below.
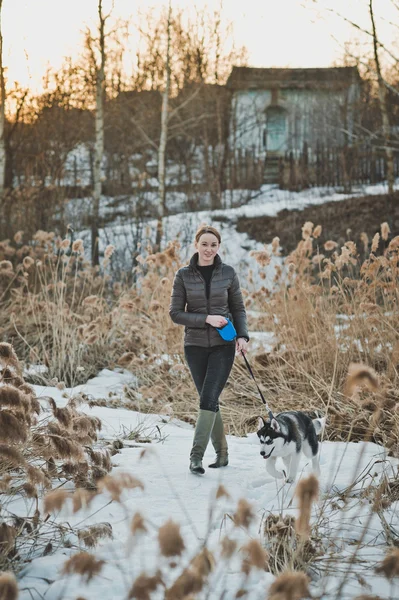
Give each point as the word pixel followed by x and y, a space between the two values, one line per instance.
pixel 104 80
pixel 13 141
pixel 383 85
pixel 189 70
pixel 382 96
pixel 99 136
pixel 164 134
pixel 2 112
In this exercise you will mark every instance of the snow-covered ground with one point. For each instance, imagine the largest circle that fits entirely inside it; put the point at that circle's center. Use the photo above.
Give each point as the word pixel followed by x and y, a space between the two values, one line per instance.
pixel 123 232
pixel 172 492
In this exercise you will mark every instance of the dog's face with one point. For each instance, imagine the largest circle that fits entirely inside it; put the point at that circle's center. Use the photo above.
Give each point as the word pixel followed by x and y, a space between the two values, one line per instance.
pixel 270 436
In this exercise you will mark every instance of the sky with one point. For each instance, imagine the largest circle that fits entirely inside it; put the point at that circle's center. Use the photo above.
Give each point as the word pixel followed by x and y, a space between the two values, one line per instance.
pixel 295 33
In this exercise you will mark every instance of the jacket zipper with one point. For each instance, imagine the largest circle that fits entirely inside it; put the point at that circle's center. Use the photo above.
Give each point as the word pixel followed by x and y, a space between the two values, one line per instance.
pixel 208 306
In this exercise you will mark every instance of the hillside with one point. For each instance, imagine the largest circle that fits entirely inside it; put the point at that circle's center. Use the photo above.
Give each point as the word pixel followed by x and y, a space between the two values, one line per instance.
pixel 360 214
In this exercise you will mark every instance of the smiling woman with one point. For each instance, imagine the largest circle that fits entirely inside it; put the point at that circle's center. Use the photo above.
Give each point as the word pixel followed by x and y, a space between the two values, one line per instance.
pixel 205 295
pixel 207 246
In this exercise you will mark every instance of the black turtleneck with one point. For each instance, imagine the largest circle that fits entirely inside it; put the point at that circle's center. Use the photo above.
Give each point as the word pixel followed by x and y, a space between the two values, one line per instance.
pixel 206 273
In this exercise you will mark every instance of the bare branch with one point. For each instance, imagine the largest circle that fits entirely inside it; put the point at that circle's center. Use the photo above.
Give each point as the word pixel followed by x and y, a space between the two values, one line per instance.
pixel 18 110
pixel 107 16
pixel 143 133
pixel 369 33
pixel 183 124
pixel 369 68
pixel 185 102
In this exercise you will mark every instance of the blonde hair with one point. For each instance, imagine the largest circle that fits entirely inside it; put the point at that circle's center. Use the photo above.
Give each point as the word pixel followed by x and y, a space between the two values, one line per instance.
pixel 207 229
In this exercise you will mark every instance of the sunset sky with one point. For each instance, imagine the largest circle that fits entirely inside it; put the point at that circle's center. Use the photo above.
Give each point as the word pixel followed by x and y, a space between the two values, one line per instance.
pixel 275 32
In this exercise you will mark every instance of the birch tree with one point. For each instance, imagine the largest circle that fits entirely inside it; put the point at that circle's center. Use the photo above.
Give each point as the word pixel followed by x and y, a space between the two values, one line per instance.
pixel 99 135
pixel 2 112
pixel 382 97
pixel 164 135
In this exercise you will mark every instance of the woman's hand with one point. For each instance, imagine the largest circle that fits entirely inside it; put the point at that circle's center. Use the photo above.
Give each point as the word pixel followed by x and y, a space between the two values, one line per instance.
pixel 241 345
pixel 216 320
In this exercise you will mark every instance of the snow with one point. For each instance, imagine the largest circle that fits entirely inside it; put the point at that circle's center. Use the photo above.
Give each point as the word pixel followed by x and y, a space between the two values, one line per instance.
pixel 172 492
pixel 125 232
pixel 344 513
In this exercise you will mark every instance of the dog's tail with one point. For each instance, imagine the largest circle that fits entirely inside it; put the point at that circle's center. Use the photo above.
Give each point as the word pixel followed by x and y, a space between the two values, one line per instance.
pixel 319 425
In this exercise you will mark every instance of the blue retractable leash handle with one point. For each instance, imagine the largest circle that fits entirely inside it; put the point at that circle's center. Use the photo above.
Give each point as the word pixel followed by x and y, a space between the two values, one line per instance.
pixel 271 416
pixel 227 332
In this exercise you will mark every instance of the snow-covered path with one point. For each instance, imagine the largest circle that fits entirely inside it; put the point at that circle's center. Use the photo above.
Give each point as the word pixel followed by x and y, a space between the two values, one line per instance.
pixel 171 492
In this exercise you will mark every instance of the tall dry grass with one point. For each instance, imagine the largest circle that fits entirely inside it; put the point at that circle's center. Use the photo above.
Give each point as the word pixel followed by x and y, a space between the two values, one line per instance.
pixel 61 313
pixel 329 307
pixel 329 311
pixel 41 446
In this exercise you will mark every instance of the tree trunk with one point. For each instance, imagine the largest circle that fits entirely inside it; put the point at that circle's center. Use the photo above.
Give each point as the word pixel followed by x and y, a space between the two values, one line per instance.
pixel 220 153
pixel 163 139
pixel 2 114
pixel 99 140
pixel 221 147
pixel 382 93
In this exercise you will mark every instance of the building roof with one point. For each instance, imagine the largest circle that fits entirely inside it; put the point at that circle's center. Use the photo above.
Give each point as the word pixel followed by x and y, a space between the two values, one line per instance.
pixel 246 78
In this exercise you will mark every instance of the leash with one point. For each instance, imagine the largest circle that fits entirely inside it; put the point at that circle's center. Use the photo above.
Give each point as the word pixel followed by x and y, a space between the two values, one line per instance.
pixel 271 416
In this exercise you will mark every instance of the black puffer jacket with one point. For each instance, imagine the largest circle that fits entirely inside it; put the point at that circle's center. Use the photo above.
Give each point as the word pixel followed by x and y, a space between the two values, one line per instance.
pixel 190 307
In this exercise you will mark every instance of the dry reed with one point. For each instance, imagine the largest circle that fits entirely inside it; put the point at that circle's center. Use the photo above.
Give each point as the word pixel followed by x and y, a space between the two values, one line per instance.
pixel 307 492
pixel 8 587
pixel 34 452
pixel 170 540
pixel 144 585
pixel 84 564
pixel 292 585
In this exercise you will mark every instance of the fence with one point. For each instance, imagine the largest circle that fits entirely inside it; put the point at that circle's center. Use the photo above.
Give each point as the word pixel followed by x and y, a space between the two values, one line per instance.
pixel 246 169
pixel 334 167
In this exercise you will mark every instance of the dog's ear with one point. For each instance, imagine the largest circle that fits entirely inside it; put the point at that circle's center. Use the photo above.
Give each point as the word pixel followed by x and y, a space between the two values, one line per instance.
pixel 275 425
pixel 261 422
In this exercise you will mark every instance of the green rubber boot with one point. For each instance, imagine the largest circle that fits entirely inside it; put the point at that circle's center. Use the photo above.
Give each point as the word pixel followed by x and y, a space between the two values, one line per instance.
pixel 203 429
pixel 219 443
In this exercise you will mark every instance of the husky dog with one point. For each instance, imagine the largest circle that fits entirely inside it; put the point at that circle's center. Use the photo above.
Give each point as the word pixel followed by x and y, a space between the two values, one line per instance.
pixel 285 436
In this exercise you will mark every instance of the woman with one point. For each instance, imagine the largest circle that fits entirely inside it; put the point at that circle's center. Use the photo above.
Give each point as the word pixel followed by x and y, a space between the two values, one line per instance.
pixel 204 293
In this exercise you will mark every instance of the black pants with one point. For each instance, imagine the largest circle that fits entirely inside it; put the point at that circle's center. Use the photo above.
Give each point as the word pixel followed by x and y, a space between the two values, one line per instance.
pixel 210 369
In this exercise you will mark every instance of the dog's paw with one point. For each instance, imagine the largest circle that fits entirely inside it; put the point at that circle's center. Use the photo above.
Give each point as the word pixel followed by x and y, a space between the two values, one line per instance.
pixel 289 479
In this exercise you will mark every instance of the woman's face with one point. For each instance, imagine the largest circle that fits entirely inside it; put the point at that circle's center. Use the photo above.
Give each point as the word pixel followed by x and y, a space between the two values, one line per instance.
pixel 207 247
